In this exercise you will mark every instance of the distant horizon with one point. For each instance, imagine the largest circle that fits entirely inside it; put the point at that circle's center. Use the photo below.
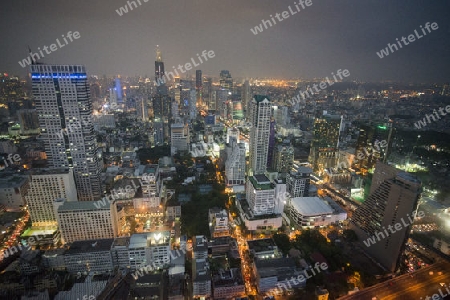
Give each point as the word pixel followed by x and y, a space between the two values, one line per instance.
pixel 238 78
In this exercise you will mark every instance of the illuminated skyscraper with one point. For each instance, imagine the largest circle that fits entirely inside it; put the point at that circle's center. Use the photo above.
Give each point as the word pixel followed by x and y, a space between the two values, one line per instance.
pixel 65 116
pixel 374 142
pixel 159 66
pixel 259 133
pixel 246 97
pixel 226 82
pixel 199 87
pixel 393 199
pixel 325 143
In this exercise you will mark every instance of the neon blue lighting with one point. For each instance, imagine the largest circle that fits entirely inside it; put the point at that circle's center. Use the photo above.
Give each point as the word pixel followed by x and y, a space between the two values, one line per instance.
pixel 55 75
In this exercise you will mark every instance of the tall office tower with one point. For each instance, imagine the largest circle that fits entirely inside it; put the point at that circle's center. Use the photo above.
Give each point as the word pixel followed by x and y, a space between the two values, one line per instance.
pixel 246 97
pixel 235 164
pixel 284 157
pixel 47 185
pixel 271 149
pixel 161 105
pixel 158 131
pixel 201 275
pixel 112 98
pixel 238 113
pixel 179 138
pixel 141 109
pixel 119 91
pixel 207 92
pixel 324 146
pixel 260 195
pixel 226 82
pixel 374 142
pixel 192 105
pixel 159 66
pixel 199 87
pixel 85 221
pixel 175 110
pixel 62 100
pixel 221 101
pixel 297 181
pixel 259 134
pixel 281 115
pixel 390 203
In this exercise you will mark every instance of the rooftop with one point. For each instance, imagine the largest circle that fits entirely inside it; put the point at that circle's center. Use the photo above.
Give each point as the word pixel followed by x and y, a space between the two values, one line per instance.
pixel 90 246
pixel 81 205
pixel 261 182
pixel 311 206
pixel 260 98
pixel 261 245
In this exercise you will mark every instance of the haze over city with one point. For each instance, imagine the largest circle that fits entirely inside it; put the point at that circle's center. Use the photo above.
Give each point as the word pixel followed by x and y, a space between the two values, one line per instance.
pixel 326 36
pixel 224 150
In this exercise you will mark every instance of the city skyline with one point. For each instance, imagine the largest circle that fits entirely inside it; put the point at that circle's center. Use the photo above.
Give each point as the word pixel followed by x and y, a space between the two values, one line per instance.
pixel 301 46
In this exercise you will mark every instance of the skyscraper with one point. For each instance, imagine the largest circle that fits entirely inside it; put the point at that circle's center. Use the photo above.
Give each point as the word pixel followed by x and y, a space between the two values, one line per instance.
pixel 246 97
pixel 393 199
pixel 259 133
pixel 284 157
pixel 46 185
pixel 235 164
pixel 207 92
pixel 65 117
pixel 374 142
pixel 226 82
pixel 325 143
pixel 199 87
pixel 159 66
pixel 297 181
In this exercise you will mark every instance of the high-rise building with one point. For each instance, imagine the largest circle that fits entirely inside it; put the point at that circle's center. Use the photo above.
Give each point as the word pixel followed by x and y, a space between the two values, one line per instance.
pixel 246 97
pixel 65 116
pixel 374 142
pixel 162 105
pixel 199 87
pixel 284 157
pixel 158 132
pixel 226 82
pixel 221 101
pixel 29 121
pixel 259 134
pixel 47 185
pixel 297 181
pixel 271 149
pixel 207 92
pixel 159 67
pixel 85 221
pixel 119 91
pixel 193 105
pixel 324 146
pixel 260 195
pixel 201 276
pixel 235 164
pixel 179 138
pixel 13 190
pixel 393 199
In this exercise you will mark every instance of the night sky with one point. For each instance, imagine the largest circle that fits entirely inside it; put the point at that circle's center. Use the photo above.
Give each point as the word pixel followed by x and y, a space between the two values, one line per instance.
pixel 322 38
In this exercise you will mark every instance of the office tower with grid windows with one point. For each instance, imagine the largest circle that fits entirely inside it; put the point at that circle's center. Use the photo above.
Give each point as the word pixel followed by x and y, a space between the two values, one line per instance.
pixel 325 144
pixel 63 102
pixel 260 117
pixel 384 220
pixel 47 185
